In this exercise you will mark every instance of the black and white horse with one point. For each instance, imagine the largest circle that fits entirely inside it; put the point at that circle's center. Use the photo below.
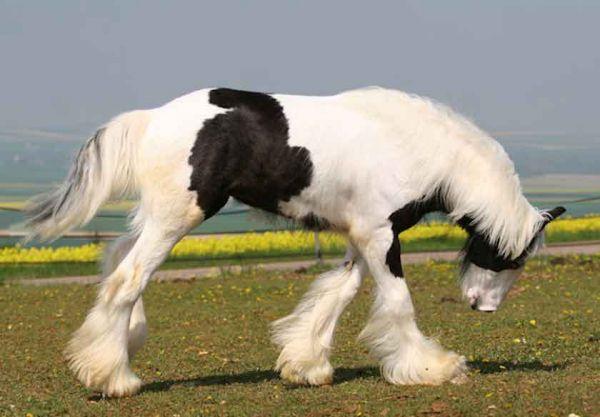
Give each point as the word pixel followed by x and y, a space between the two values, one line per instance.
pixel 368 163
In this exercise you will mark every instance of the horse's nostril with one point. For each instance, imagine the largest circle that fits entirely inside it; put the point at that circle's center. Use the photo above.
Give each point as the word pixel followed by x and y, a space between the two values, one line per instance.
pixel 474 306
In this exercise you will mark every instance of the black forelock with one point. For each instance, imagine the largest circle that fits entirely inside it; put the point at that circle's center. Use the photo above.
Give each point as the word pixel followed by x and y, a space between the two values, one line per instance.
pixel 479 251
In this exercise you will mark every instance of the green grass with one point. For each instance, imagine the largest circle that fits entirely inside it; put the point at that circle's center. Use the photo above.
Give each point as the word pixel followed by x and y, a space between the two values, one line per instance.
pixel 62 269
pixel 208 352
pixel 56 269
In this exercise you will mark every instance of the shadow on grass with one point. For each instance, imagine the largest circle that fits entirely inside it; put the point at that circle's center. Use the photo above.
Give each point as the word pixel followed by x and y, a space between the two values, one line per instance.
pixel 251 377
pixel 255 377
pixel 341 375
pixel 493 367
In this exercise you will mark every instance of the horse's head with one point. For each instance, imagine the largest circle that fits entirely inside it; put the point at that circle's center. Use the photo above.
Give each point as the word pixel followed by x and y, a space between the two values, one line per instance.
pixel 486 275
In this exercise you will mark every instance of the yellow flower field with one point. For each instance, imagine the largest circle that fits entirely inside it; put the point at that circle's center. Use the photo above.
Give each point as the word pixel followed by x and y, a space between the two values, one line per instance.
pixel 434 235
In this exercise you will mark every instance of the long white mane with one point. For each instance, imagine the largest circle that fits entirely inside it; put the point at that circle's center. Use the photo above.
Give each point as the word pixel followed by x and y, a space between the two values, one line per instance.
pixel 470 168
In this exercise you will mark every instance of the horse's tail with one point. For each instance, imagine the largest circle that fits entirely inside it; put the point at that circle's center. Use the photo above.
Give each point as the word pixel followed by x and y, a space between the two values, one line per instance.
pixel 104 168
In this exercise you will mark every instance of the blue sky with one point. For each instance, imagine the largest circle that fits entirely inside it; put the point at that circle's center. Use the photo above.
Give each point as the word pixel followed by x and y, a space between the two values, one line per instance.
pixel 511 66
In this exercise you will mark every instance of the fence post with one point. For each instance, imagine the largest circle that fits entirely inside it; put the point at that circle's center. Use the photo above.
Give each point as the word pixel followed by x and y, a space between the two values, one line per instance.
pixel 318 253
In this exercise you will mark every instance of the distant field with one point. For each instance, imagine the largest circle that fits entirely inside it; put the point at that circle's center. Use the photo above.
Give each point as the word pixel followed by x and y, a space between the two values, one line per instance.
pixel 208 351
pixel 562 184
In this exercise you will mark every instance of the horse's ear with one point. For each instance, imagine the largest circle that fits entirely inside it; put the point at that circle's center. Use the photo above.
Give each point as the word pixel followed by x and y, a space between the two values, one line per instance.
pixel 552 214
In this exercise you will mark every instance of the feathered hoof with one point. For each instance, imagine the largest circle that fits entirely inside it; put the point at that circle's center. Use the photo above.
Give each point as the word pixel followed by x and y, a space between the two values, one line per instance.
pixel 460 378
pixel 435 369
pixel 116 382
pixel 306 373
pixel 122 384
pixel 101 365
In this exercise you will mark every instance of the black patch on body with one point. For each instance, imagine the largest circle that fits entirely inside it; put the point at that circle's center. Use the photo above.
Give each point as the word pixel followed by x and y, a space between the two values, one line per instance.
pixel 405 218
pixel 244 153
pixel 392 258
pixel 313 222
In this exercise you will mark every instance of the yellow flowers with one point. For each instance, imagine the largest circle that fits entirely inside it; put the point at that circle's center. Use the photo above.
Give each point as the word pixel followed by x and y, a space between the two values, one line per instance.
pixel 433 231
pixel 18 254
pixel 583 228
pixel 285 242
pixel 288 243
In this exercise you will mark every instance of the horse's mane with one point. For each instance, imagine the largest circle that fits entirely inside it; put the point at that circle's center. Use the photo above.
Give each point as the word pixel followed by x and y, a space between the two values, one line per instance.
pixel 470 169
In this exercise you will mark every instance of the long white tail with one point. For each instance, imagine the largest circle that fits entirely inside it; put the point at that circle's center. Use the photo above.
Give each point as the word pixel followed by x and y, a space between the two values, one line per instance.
pixel 103 169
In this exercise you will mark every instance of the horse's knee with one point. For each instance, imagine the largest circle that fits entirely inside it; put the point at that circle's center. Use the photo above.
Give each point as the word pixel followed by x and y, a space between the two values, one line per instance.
pixel 124 285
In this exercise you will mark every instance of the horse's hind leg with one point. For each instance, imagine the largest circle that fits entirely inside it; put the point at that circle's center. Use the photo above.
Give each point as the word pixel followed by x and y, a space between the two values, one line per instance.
pixel 306 335
pixel 405 354
pixel 138 330
pixel 98 352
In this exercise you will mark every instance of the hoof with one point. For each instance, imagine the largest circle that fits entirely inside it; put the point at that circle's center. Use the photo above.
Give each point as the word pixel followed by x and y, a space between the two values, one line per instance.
pixel 460 379
pixel 434 369
pixel 112 382
pixel 307 373
pixel 101 365
pixel 124 385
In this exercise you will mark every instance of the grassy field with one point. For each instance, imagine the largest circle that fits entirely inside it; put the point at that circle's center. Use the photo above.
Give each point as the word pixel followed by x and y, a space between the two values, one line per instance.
pixel 62 269
pixel 209 352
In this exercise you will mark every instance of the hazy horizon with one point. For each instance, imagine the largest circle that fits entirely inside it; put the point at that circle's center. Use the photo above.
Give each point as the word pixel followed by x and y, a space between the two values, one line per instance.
pixel 511 66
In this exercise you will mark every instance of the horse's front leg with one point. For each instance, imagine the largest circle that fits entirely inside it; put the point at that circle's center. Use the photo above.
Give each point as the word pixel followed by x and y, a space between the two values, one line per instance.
pixel 405 354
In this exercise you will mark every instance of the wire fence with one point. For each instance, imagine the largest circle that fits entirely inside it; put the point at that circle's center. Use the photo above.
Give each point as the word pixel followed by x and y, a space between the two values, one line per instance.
pixel 96 236
pixel 289 225
pixel 247 210
pixel 317 253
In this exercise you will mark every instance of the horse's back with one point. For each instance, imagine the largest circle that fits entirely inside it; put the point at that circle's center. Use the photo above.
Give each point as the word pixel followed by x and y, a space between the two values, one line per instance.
pixel 282 153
